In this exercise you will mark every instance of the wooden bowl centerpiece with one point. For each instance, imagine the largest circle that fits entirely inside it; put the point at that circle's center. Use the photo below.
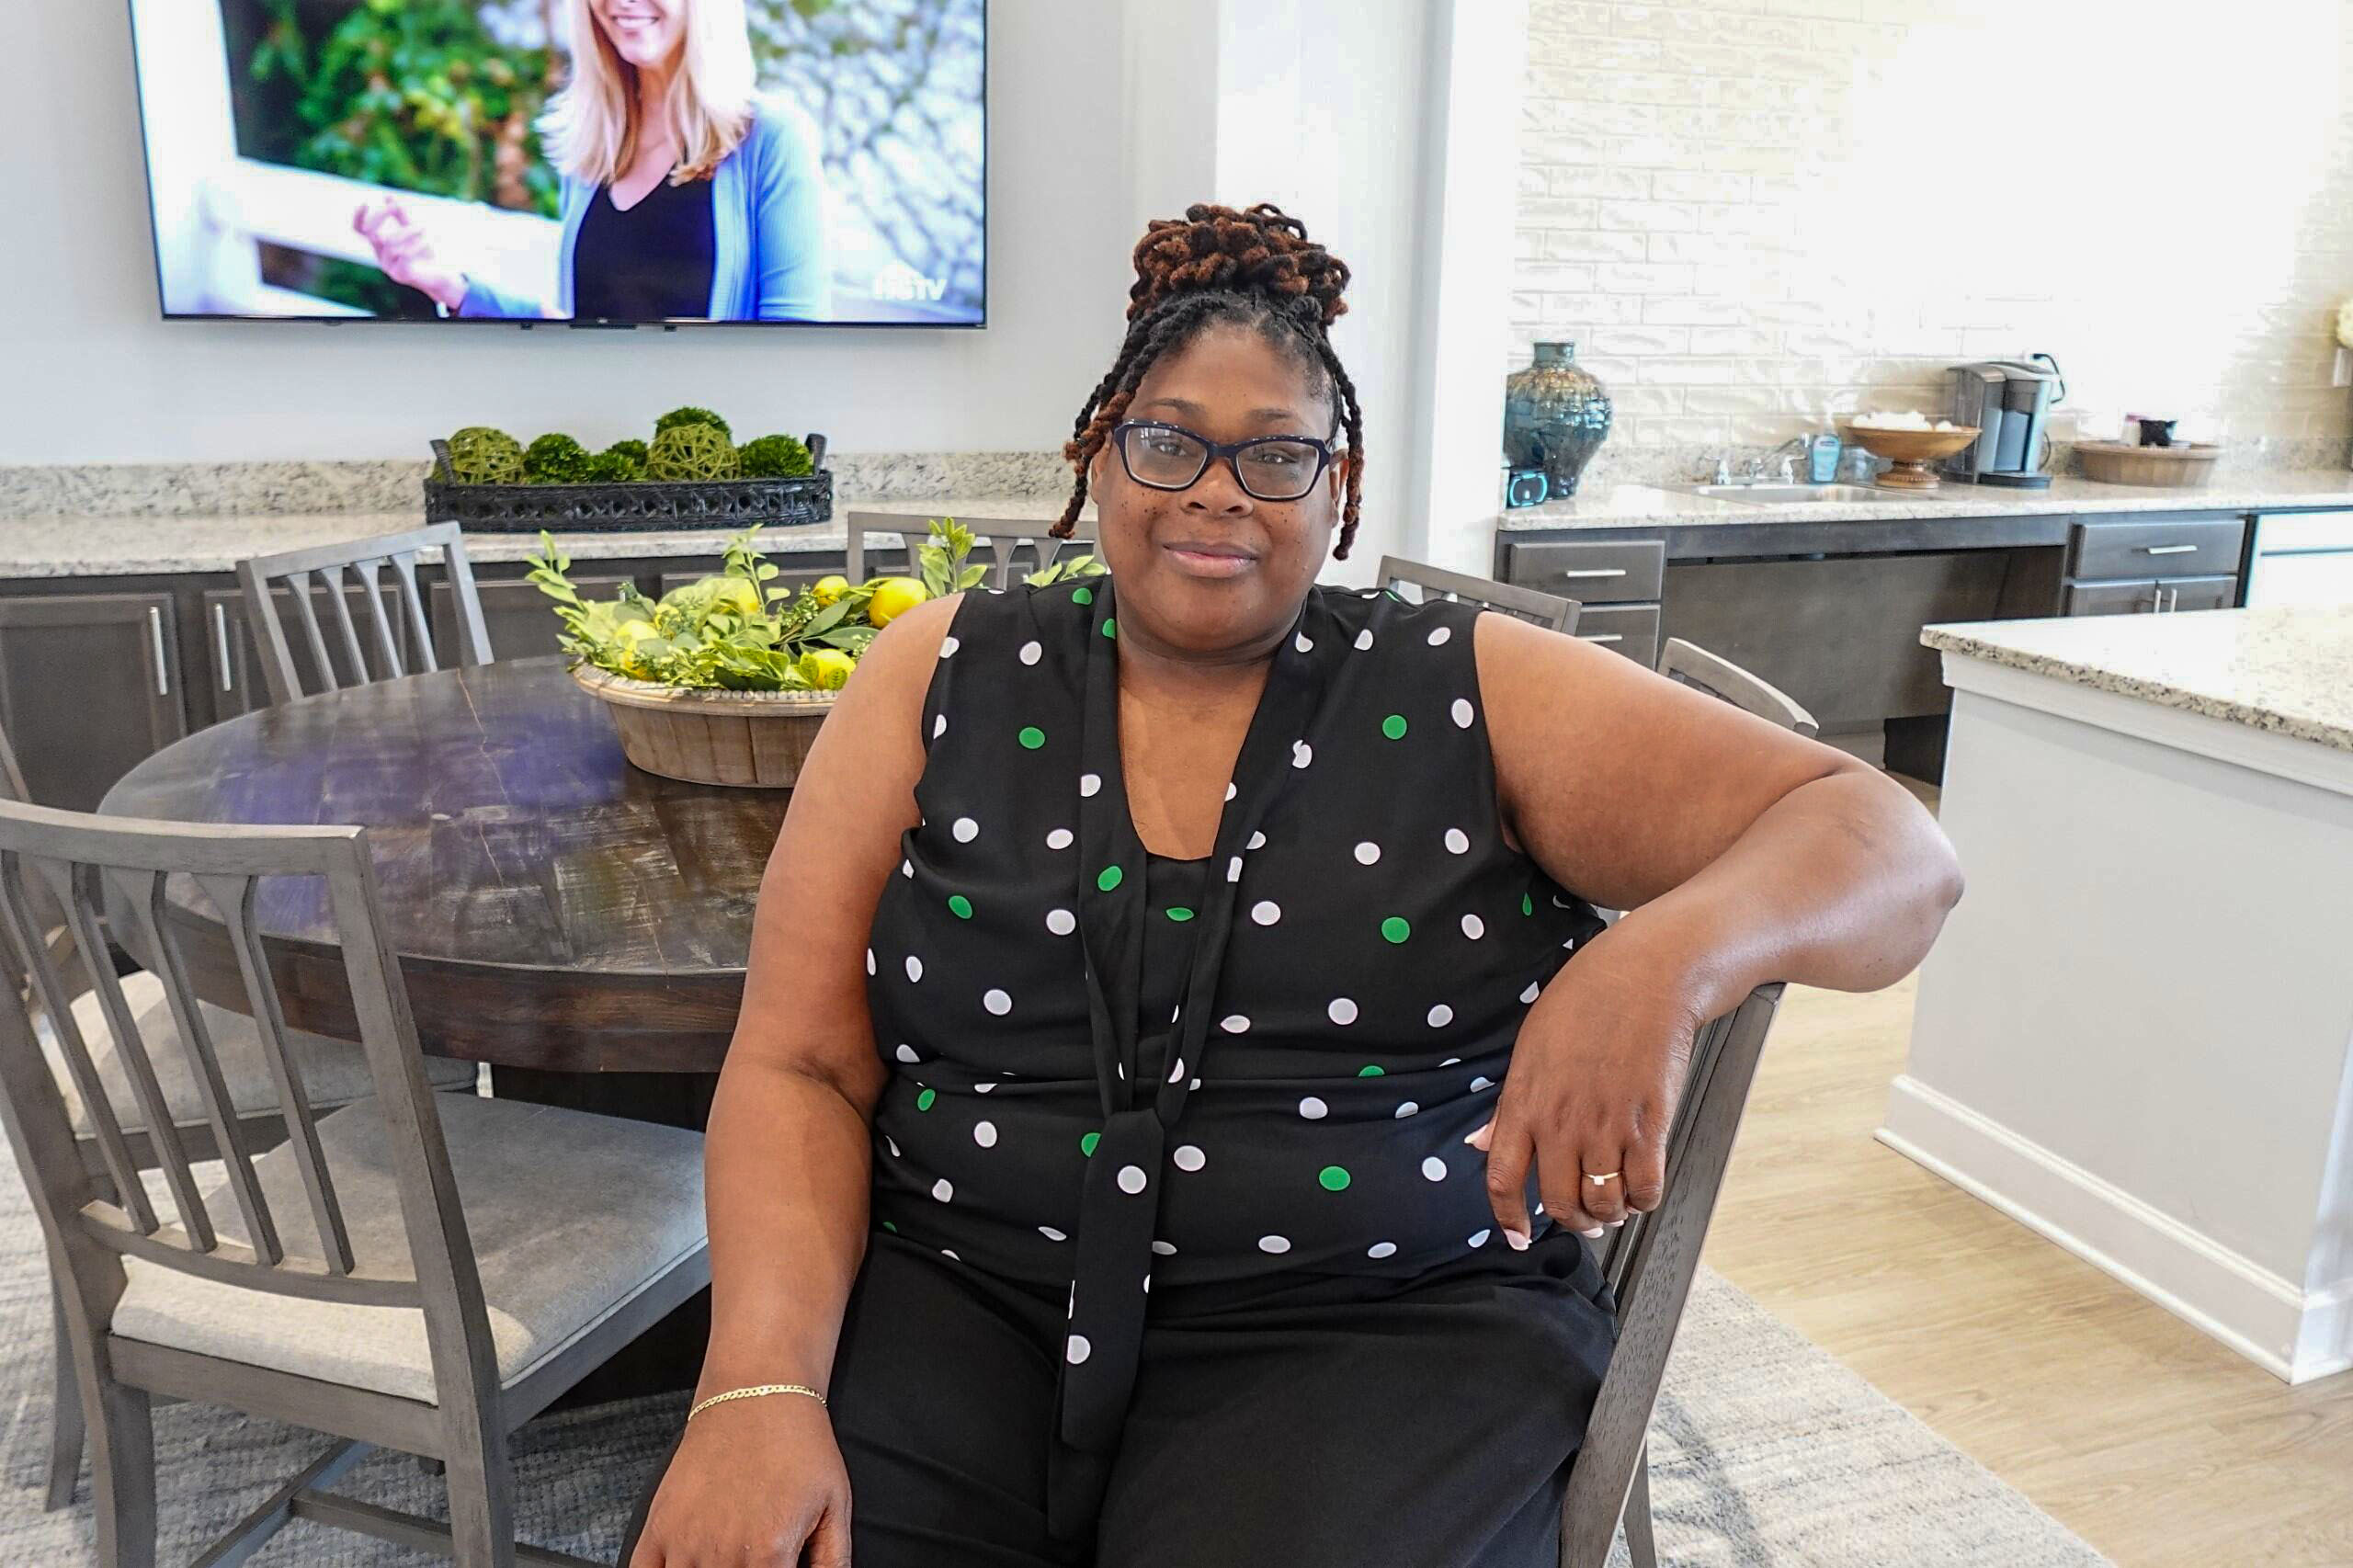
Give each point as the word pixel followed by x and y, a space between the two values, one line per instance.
pixel 756 739
pixel 1910 448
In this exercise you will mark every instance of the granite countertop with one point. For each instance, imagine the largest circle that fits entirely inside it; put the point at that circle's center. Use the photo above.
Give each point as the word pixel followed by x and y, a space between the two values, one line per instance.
pixel 1639 505
pixel 107 547
pixel 2286 668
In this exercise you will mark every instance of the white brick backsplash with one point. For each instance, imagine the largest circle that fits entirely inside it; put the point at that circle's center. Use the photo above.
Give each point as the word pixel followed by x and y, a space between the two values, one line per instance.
pixel 1727 204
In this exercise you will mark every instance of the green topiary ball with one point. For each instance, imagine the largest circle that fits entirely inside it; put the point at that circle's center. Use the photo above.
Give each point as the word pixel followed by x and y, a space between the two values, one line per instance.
pixel 633 451
pixel 775 457
pixel 692 415
pixel 555 460
pixel 481 455
pixel 614 468
pixel 691 451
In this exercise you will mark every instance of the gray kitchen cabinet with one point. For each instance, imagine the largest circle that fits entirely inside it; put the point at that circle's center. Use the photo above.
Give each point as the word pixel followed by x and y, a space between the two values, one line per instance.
pixel 233 682
pixel 2120 596
pixel 1630 630
pixel 2200 592
pixel 1591 571
pixel 90 684
pixel 2164 547
pixel 520 618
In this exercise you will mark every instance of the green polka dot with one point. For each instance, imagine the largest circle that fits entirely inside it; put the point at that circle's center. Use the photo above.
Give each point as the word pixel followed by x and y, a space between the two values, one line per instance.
pixel 1086 1144
pixel 923 1100
pixel 1333 1178
pixel 1395 928
pixel 1393 726
pixel 1526 905
pixel 1032 737
pixel 890 1227
pixel 1112 876
pixel 1179 913
pixel 1110 629
pixel 1372 1069
pixel 960 906
pixel 1082 596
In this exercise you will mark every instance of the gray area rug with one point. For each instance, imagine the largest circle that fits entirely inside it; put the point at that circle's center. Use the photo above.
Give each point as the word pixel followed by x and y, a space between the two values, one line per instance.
pixel 1764 1451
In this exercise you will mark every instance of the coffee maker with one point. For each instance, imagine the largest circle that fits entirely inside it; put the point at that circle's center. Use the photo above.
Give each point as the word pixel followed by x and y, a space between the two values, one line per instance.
pixel 2009 402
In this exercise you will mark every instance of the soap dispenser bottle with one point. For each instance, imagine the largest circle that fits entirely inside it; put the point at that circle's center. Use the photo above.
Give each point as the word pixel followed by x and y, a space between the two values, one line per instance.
pixel 1822 456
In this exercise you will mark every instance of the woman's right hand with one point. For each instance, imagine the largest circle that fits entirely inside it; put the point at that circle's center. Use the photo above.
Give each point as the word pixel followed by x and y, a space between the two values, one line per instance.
pixel 404 251
pixel 754 1484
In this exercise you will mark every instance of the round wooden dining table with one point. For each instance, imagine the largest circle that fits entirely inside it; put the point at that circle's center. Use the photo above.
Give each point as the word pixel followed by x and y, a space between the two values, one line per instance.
pixel 556 910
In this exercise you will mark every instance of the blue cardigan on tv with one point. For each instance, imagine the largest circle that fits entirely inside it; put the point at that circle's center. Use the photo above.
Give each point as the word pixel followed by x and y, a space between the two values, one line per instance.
pixel 768 208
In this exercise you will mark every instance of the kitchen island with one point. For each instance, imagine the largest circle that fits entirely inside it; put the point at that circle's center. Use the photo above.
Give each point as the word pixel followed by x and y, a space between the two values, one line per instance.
pixel 2135 1035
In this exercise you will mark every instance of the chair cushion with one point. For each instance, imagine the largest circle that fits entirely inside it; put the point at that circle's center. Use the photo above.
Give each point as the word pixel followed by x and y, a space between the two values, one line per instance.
pixel 335 1071
pixel 571 1215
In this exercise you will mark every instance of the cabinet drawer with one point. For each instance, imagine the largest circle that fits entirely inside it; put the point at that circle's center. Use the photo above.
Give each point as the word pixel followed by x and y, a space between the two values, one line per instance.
pixel 1630 630
pixel 2199 593
pixel 2138 596
pixel 2169 548
pixel 1595 572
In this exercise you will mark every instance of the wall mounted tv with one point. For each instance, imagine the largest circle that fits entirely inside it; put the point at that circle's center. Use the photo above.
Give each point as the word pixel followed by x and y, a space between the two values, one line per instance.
pixel 601 163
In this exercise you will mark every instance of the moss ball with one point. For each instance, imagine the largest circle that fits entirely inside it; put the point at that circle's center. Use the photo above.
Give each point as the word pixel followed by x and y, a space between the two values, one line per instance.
pixel 691 451
pixel 481 455
pixel 634 450
pixel 614 468
pixel 555 458
pixel 775 457
pixel 692 415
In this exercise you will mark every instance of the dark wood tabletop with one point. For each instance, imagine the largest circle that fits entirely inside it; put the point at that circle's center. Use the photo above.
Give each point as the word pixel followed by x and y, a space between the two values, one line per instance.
pixel 554 908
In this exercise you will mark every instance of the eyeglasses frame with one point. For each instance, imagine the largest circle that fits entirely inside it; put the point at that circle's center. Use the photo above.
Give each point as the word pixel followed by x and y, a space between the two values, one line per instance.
pixel 1230 450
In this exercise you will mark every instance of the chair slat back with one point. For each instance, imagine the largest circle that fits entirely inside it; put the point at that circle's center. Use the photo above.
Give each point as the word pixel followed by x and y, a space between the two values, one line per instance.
pixel 398 625
pixel 1690 664
pixel 117 869
pixel 999 544
pixel 1534 606
pixel 45 913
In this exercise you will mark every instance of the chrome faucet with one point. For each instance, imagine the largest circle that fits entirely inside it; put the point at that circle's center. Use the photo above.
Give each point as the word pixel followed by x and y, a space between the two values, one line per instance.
pixel 1783 459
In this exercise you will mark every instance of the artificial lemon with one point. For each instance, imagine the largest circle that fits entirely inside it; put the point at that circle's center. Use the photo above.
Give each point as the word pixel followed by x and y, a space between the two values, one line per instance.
pixel 827 590
pixel 633 635
pixel 827 669
pixel 893 596
pixel 737 595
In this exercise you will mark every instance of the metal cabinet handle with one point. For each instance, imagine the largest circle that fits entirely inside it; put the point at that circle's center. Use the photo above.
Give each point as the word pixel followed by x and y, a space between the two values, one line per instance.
pixel 162 669
pixel 1595 572
pixel 220 643
pixel 2168 548
pixel 2173 600
pixel 1602 637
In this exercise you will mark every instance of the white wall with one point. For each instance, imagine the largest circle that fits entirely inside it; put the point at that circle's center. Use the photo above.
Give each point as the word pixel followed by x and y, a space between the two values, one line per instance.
pixel 94 375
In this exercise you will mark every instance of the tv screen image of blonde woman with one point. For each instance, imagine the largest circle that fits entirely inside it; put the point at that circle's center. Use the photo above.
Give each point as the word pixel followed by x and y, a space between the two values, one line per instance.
pixel 616 161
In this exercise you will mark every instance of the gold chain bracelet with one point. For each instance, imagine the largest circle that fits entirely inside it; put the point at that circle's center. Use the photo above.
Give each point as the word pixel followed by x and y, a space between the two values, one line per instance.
pixel 755 1393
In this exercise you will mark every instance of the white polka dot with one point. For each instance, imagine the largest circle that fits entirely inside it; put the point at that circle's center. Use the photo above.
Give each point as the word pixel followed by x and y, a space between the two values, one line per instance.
pixel 1438 638
pixel 1534 990
pixel 1342 1010
pixel 1234 869
pixel 1194 1085
pixel 1051 1235
pixel 1147 1284
pixel 984 1134
pixel 948 646
pixel 1089 782
pixel 1301 754
pixel 869 961
pixel 1479 1238
pixel 1257 841
pixel 1368 852
pixel 1031 653
pixel 1442 1016
pixel 1473 927
pixel 1313 1108
pixel 909 1053
pixel 890 1143
pixel 997 1002
pixel 1176 1070
pixel 939 726
pixel 1077 1349
pixel 1061 839
pixel 1231 789
pixel 1189 1157
pixel 1060 922
pixel 1451 1061
pixel 966 830
pixel 1266 912
pixel 1408 1109
pixel 915 967
pixel 1481 1083
pixel 906 867
pixel 1235 1023
pixel 982 1088
pixel 1434 1169
pixel 1273 1243
pixel 1457 841
pixel 1462 711
pixel 1364 639
pixel 1382 1249
pixel 1303 642
pixel 943 1190
pixel 949 1251
pixel 1131 1179
pixel 1166 1249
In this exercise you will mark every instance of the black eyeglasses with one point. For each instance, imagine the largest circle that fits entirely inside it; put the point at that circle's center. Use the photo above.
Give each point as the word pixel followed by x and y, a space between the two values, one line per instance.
pixel 1169 457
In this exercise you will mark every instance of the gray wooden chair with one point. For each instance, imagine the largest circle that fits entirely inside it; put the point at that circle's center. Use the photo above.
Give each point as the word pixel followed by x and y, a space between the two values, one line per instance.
pixel 406 622
pixel 1002 542
pixel 1690 664
pixel 416 1271
pixel 1549 611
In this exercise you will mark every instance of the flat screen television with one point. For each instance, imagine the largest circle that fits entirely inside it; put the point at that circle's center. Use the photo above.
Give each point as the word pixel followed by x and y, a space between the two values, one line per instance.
pixel 794 161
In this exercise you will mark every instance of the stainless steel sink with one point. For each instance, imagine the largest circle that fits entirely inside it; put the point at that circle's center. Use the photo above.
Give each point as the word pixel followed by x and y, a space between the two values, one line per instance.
pixel 1784 495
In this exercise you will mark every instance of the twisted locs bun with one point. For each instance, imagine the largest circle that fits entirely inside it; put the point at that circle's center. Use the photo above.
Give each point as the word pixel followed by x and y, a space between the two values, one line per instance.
pixel 1256 269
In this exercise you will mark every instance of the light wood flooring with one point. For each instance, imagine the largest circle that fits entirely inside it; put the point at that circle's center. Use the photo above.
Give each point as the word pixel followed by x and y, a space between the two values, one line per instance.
pixel 2154 1443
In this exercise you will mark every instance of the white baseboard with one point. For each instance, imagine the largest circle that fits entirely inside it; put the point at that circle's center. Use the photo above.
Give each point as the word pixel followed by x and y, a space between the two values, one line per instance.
pixel 2293 1334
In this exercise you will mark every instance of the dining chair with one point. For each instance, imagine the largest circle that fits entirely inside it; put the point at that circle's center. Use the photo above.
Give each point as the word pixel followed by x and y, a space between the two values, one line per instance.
pixel 1688 663
pixel 1004 538
pixel 365 559
pixel 1548 610
pixel 414 1271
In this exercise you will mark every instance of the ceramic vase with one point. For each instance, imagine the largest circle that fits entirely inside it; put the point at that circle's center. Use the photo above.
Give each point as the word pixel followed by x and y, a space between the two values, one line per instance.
pixel 1556 414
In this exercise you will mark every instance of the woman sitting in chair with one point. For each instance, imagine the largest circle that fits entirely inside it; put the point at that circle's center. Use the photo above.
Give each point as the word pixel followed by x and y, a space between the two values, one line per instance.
pixel 1180 1058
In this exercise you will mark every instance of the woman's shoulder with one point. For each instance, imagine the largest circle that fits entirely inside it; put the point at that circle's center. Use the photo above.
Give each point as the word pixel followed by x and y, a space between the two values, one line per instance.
pixel 1373 614
pixel 779 132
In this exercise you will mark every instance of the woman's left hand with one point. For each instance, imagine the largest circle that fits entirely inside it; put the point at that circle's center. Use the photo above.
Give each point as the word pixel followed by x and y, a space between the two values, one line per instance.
pixel 1593 1086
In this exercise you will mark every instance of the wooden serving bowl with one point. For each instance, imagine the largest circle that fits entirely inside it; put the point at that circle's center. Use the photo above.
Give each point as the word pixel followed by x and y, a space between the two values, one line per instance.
pixel 1910 450
pixel 750 739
